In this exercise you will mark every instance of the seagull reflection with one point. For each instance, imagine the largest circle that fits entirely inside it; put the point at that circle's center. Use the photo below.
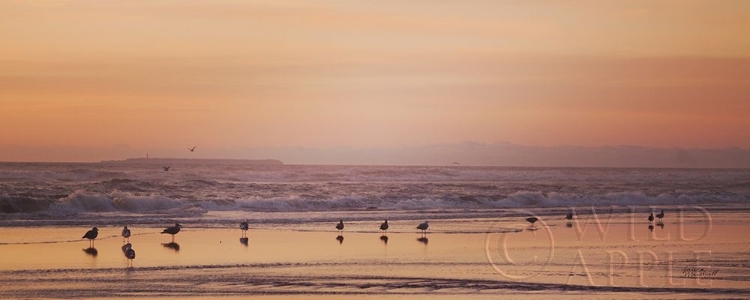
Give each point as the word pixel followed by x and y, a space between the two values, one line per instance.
pixel 173 246
pixel 244 241
pixel 384 238
pixel 569 224
pixel 423 240
pixel 91 251
pixel 340 238
pixel 651 228
pixel 660 224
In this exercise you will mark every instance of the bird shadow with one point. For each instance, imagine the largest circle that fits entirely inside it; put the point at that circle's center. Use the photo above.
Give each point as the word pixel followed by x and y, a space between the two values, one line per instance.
pixel 660 224
pixel 569 224
pixel 340 238
pixel 384 239
pixel 423 240
pixel 173 246
pixel 244 241
pixel 91 251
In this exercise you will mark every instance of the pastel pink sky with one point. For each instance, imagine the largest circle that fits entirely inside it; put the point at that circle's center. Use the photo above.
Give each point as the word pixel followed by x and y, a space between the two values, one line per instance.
pixel 245 74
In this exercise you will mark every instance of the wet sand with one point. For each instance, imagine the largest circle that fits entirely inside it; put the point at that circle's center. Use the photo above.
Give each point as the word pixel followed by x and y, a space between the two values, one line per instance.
pixel 466 259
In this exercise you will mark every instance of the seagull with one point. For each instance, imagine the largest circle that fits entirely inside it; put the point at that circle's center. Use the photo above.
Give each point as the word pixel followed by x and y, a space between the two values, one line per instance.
pixel 384 226
pixel 660 215
pixel 126 234
pixel 192 149
pixel 166 168
pixel 91 235
pixel 130 255
pixel 127 249
pixel 532 220
pixel 569 216
pixel 244 227
pixel 172 230
pixel 340 226
pixel 651 217
pixel 423 226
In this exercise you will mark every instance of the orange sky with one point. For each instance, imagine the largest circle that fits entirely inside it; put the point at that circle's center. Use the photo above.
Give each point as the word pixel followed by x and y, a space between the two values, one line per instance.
pixel 163 75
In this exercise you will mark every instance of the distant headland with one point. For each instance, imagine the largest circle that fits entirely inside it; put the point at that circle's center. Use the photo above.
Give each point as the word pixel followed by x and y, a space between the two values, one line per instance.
pixel 200 161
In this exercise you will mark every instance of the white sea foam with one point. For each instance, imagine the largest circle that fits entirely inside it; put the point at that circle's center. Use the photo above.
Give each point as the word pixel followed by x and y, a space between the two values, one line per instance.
pixel 189 190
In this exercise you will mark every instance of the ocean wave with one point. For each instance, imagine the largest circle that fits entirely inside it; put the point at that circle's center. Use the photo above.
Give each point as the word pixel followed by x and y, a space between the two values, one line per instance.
pixel 83 201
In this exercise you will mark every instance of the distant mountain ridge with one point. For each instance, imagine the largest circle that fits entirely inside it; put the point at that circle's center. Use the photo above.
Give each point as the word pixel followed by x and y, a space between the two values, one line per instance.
pixel 200 161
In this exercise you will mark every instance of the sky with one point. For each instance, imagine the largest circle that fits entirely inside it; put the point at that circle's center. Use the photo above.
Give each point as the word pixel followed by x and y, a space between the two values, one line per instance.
pixel 95 80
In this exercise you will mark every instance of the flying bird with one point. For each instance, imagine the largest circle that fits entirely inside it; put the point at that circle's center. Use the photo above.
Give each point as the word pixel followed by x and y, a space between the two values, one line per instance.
pixel 424 226
pixel 384 226
pixel 192 149
pixel 340 226
pixel 91 235
pixel 166 168
pixel 126 234
pixel 173 230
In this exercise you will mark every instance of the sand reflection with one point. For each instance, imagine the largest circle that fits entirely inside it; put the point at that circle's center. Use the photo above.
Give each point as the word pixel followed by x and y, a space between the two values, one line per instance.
pixel 91 251
pixel 173 246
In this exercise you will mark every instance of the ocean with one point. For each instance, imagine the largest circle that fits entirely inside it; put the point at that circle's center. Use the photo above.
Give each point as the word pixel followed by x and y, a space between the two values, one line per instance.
pixel 85 193
pixel 292 210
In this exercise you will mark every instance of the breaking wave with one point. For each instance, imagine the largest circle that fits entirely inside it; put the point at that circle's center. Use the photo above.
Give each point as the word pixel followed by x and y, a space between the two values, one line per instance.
pixel 122 201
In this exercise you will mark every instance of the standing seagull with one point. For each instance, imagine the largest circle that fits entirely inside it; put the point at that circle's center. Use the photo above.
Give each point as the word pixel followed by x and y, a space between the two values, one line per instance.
pixel 660 215
pixel 130 255
pixel 172 230
pixel 126 234
pixel 532 220
pixel 424 226
pixel 340 226
pixel 651 217
pixel 384 226
pixel 192 149
pixel 91 235
pixel 244 226
pixel 127 249
pixel 569 216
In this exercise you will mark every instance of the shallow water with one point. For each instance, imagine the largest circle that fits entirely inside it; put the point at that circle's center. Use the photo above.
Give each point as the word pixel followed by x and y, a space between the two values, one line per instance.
pixel 509 259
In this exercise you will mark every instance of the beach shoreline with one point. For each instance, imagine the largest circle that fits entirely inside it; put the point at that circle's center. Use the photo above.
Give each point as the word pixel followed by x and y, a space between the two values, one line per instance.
pixel 509 258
